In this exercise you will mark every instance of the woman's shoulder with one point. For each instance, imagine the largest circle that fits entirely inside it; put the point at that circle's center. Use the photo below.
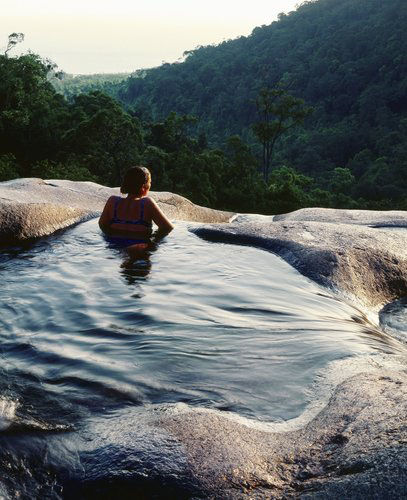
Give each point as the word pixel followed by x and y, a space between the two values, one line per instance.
pixel 148 200
pixel 111 201
pixel 113 198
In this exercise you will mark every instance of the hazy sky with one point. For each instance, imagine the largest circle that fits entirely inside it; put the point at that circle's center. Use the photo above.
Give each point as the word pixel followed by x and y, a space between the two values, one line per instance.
pixel 110 36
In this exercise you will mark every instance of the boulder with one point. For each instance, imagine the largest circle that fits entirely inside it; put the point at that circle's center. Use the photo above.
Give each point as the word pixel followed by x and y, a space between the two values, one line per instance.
pixel 374 218
pixel 31 207
pixel 21 221
pixel 355 448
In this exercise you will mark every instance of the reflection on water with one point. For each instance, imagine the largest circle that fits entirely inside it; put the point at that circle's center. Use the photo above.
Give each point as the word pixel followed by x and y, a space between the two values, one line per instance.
pixel 134 270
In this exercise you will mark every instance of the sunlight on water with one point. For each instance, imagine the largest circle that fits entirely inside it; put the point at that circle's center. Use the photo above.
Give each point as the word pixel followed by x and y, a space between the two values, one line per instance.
pixel 7 413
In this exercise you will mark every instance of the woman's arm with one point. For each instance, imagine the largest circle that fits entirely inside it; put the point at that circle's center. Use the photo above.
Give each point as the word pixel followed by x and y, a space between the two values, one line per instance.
pixel 107 215
pixel 163 223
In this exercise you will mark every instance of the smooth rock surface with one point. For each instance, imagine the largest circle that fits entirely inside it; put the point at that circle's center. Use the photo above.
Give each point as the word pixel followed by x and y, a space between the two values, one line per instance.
pixel 32 207
pixel 375 218
pixel 21 221
pixel 355 448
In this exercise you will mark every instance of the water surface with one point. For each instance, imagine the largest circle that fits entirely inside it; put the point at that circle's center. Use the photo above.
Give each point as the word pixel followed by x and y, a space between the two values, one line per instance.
pixel 91 344
pixel 220 326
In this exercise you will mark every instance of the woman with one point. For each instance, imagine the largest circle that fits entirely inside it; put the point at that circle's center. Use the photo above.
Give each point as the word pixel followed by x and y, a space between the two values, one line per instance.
pixel 128 221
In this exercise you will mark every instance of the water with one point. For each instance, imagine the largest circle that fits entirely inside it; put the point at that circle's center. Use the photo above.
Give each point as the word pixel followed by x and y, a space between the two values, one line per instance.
pixel 83 334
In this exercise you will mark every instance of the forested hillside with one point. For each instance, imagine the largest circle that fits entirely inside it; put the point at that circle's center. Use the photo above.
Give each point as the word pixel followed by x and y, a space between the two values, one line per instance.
pixel 347 59
pixel 202 125
pixel 71 85
pixel 93 138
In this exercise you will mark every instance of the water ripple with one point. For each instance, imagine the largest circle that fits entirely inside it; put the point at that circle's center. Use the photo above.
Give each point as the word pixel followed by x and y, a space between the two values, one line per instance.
pixel 213 325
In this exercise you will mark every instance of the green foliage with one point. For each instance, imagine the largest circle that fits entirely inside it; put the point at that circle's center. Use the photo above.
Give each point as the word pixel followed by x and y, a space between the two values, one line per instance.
pixel 278 112
pixel 30 110
pixel 241 187
pixel 347 59
pixel 46 169
pixel 105 138
pixel 340 182
pixel 8 168
pixel 197 126
pixel 92 138
pixel 180 164
pixel 70 86
pixel 288 190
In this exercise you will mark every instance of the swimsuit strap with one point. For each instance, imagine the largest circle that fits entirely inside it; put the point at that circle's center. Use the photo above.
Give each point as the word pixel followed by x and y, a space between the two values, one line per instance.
pixel 142 201
pixel 136 222
pixel 141 220
pixel 116 204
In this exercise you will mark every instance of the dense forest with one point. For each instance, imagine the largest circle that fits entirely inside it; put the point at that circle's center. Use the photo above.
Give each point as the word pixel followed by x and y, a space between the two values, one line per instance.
pixel 93 138
pixel 347 59
pixel 320 95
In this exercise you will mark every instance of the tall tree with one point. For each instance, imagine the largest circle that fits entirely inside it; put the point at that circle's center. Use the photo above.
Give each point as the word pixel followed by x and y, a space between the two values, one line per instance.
pixel 278 112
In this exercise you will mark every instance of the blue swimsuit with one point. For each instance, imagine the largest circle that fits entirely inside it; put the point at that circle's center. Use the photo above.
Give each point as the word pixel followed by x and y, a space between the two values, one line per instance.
pixel 125 242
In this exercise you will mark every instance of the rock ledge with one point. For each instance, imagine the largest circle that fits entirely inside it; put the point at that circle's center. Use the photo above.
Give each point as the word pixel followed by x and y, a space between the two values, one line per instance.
pixel 32 207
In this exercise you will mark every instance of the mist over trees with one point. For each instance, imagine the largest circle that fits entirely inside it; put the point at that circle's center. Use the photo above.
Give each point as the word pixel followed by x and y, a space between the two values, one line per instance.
pixel 197 125
pixel 72 85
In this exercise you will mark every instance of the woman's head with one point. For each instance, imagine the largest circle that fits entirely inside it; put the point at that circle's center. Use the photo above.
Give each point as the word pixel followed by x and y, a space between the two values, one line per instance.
pixel 136 181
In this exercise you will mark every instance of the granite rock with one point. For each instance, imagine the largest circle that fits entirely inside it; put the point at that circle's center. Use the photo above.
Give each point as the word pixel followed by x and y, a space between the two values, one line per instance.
pixel 355 448
pixel 374 218
pixel 32 207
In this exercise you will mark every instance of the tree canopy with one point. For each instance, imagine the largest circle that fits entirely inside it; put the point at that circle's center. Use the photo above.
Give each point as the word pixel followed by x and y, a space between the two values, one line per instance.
pixel 347 59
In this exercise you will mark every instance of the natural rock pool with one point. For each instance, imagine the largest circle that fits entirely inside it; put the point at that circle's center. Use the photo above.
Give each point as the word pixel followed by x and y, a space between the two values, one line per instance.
pixel 85 335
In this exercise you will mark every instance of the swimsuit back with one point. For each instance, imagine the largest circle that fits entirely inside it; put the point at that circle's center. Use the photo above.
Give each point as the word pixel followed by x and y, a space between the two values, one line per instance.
pixel 139 221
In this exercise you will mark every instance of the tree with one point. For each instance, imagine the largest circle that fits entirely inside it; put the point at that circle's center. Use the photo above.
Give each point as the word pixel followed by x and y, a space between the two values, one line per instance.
pixel 103 137
pixel 241 187
pixel 288 190
pixel 8 168
pixel 13 40
pixel 31 113
pixel 172 133
pixel 341 180
pixel 278 111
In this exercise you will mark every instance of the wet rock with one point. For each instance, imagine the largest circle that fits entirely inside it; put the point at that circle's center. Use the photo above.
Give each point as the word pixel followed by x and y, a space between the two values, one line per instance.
pixel 233 460
pixel 30 208
pixel 356 447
